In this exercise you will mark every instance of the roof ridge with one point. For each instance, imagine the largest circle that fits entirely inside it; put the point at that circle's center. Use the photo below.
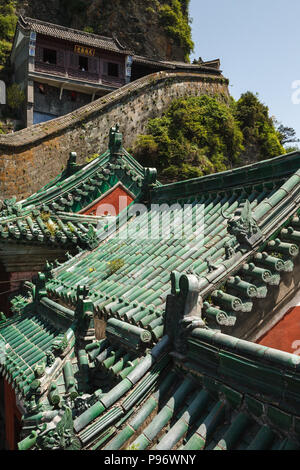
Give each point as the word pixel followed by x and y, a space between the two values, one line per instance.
pixel 66 28
pixel 279 167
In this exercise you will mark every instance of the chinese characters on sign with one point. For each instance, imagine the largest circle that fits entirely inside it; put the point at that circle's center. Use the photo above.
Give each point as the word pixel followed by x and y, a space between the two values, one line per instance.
pixel 84 50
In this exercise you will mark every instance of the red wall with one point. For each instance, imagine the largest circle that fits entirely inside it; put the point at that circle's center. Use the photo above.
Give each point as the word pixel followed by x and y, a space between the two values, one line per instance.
pixel 285 335
pixel 113 200
pixel 12 417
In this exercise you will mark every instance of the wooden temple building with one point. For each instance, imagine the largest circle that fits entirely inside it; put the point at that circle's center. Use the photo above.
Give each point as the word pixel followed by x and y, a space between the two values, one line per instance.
pixel 61 69
pixel 153 343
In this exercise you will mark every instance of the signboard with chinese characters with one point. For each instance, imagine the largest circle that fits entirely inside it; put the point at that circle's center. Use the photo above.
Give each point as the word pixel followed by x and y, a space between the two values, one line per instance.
pixel 84 50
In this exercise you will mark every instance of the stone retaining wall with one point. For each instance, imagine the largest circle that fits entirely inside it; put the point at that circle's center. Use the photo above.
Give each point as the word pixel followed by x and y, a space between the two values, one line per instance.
pixel 30 158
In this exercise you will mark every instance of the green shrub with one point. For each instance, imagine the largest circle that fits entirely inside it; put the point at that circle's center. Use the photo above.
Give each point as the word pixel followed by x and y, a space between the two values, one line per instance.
pixel 88 29
pixel 15 96
pixel 8 21
pixel 196 136
pixel 93 157
pixel 202 135
pixel 292 148
pixel 52 227
pixel 175 20
pixel 257 126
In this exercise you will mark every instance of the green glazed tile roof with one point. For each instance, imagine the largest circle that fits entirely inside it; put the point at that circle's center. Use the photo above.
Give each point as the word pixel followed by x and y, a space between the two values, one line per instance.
pixel 193 417
pixel 54 229
pixel 27 339
pixel 89 182
pixel 128 276
pixel 190 408
pixel 134 392
pixel 73 35
pixel 51 216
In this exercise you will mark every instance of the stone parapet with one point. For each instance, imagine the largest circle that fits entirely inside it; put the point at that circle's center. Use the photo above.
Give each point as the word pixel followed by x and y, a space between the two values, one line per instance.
pixel 30 158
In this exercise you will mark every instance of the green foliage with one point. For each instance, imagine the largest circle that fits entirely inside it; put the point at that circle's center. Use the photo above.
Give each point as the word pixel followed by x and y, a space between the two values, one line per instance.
pixel 93 157
pixel 88 29
pixel 257 126
pixel 133 447
pixel 15 96
pixel 185 6
pixel 203 135
pixel 70 227
pixel 287 135
pixel 8 21
pixel 114 266
pixel 52 227
pixel 196 136
pixel 5 48
pixel 292 148
pixel 2 131
pixel 45 216
pixel 174 18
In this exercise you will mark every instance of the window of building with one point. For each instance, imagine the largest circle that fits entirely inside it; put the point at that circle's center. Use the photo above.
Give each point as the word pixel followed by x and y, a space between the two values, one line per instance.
pixel 112 69
pixel 83 64
pixel 49 56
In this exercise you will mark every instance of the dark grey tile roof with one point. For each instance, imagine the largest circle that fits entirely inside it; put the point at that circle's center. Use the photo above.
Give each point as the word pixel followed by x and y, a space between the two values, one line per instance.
pixel 213 65
pixel 73 35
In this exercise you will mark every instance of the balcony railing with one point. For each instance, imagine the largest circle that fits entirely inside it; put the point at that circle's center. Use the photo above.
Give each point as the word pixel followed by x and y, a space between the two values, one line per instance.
pixel 50 68
pixel 78 74
pixel 84 75
pixel 116 81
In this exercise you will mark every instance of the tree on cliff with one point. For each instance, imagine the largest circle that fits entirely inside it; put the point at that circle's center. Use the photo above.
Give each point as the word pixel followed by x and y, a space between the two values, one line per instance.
pixel 8 21
pixel 175 20
pixel 260 134
pixel 287 135
pixel 195 137
pixel 203 135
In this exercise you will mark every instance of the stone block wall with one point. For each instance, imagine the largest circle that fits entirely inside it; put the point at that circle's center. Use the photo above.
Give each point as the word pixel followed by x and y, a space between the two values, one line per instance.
pixel 32 157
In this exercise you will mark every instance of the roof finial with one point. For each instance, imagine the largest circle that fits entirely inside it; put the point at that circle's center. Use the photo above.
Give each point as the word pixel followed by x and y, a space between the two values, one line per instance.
pixel 115 141
pixel 71 164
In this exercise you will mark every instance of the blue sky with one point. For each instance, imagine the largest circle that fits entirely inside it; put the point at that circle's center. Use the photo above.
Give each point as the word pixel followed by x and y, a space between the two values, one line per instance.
pixel 258 43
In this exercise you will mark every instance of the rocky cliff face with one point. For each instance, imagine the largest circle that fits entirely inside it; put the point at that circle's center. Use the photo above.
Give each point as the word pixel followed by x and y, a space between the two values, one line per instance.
pixel 158 28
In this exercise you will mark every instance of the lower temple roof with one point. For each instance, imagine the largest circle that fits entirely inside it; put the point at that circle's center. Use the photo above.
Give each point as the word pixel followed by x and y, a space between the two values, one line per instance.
pixel 170 368
pixel 55 215
pixel 167 405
